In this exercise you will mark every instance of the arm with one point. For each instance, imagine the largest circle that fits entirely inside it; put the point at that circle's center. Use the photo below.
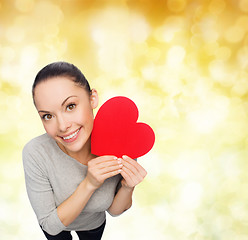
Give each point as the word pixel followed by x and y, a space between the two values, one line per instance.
pixel 54 219
pixel 133 173
pixel 99 169
pixel 40 194
pixel 69 210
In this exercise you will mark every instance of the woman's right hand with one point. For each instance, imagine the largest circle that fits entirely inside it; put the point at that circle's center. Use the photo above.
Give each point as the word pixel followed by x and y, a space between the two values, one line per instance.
pixel 101 168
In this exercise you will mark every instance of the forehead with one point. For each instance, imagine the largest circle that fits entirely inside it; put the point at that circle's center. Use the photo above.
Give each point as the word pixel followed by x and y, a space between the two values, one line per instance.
pixel 52 92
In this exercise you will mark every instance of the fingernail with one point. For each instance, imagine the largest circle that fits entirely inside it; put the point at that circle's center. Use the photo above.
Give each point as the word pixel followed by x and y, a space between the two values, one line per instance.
pixel 119 160
pixel 119 170
pixel 115 158
pixel 120 165
pixel 124 157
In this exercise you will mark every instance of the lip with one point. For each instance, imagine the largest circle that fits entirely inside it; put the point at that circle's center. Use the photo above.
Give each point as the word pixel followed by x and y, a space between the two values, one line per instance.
pixel 73 138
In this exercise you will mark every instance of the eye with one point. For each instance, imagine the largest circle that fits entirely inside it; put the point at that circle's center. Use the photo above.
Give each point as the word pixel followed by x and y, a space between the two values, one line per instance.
pixel 70 107
pixel 47 117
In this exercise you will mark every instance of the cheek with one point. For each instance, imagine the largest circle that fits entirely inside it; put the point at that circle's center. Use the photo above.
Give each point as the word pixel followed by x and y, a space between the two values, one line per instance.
pixel 50 129
pixel 86 118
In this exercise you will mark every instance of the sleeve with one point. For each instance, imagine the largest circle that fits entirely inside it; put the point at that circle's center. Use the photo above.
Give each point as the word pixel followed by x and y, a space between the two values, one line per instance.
pixel 40 194
pixel 118 186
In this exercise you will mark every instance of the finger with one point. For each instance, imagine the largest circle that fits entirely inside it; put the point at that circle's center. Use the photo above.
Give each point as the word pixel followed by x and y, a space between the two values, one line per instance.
pixel 105 170
pixel 111 174
pixel 134 166
pixel 129 163
pixel 131 169
pixel 102 159
pixel 133 173
pixel 109 163
pixel 128 176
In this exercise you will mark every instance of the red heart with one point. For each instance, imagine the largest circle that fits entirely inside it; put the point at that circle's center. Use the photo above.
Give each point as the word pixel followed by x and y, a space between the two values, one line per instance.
pixel 116 131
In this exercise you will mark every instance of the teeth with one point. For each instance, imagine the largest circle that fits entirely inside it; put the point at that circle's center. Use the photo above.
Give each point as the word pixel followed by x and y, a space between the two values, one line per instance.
pixel 71 136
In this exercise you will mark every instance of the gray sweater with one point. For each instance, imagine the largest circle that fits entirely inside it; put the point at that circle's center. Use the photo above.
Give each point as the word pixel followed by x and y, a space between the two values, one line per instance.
pixel 51 177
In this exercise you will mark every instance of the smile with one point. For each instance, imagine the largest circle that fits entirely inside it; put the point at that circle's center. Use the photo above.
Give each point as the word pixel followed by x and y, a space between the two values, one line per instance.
pixel 71 136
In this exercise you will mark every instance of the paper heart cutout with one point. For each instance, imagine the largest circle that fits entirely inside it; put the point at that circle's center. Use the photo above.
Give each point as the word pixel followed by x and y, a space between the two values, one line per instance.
pixel 117 132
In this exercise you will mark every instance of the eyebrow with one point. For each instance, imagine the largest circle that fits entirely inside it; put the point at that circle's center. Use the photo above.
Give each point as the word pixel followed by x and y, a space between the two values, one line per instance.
pixel 63 103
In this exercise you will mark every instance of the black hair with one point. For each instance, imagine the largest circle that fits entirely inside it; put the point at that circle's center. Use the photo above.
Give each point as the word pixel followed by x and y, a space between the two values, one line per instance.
pixel 59 69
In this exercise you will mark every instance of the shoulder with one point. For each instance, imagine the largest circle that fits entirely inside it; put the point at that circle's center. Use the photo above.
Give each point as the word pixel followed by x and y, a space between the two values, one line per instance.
pixel 38 142
pixel 37 147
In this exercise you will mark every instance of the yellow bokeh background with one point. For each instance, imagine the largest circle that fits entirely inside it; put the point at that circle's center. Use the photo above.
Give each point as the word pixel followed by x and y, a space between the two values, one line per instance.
pixel 185 65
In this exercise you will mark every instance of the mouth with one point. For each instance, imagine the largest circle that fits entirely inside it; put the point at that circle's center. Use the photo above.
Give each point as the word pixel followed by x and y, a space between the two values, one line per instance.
pixel 72 136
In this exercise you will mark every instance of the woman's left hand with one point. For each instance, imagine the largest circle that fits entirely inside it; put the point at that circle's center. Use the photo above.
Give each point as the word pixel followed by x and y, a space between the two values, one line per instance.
pixel 132 172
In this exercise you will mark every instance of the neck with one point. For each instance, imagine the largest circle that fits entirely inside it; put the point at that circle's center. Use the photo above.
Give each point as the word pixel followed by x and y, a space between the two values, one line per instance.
pixel 82 156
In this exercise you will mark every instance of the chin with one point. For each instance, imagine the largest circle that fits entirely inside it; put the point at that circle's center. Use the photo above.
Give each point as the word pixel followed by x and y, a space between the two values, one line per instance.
pixel 76 146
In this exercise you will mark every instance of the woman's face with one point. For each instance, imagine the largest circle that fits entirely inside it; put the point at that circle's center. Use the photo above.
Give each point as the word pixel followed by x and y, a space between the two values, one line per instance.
pixel 66 111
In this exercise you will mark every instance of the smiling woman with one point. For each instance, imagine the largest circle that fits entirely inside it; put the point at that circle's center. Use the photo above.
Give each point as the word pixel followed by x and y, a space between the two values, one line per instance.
pixel 70 188
pixel 66 112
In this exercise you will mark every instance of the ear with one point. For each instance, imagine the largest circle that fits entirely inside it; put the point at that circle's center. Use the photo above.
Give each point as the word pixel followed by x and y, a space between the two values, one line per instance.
pixel 94 98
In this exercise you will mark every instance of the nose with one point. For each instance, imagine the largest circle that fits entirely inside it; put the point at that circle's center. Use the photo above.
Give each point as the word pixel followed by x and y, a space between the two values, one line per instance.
pixel 63 123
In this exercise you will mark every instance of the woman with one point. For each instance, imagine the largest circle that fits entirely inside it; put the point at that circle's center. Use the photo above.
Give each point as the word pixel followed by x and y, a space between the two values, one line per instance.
pixel 70 188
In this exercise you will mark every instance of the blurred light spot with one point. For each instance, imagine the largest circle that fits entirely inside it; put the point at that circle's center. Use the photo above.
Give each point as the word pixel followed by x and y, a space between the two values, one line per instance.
pixel 15 34
pixel 52 30
pixel 191 195
pixel 238 211
pixel 8 71
pixel 208 28
pixel 241 87
pixel 199 11
pixel 208 116
pixel 162 212
pixel 169 80
pixel 29 56
pixel 234 34
pixel 217 70
pixel 175 56
pixel 24 5
pixel 229 165
pixel 217 6
pixel 188 165
pixel 11 166
pixel 195 29
pixel 56 46
pixel 148 163
pixel 183 220
pixel 221 73
pixel 176 5
pixel 196 41
pixel 45 12
pixel 153 53
pixel 10 104
pixel 28 61
pixel 7 54
pixel 98 35
pixel 168 34
pixel 171 26
pixel 242 57
pixel 149 72
pixel 243 22
pixel 139 28
pixel 243 5
pixel 223 53
pixel 112 38
pixel 6 208
pixel 211 48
